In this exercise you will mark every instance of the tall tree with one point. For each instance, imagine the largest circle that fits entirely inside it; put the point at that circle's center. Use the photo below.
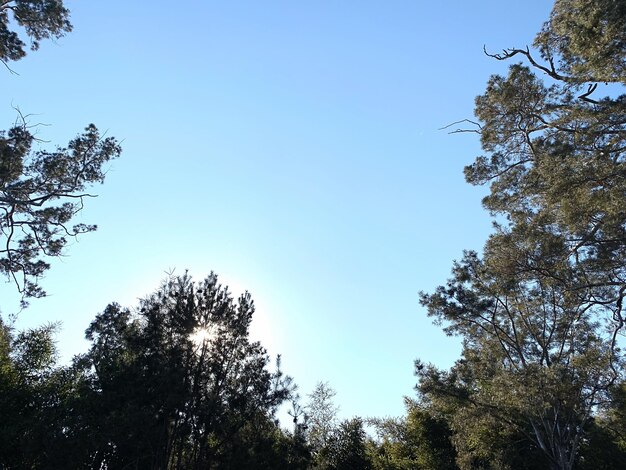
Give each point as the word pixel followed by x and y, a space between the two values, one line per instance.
pixel 321 416
pixel 41 190
pixel 540 312
pixel 179 384
pixel 533 357
pixel 555 151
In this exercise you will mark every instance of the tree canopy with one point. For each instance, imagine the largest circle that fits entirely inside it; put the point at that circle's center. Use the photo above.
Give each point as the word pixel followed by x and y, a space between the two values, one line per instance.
pixel 37 19
pixel 183 379
pixel 173 384
pixel 540 311
pixel 41 190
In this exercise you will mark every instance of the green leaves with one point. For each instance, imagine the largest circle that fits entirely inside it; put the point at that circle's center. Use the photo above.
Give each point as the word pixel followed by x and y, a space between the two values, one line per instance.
pixel 588 38
pixel 540 310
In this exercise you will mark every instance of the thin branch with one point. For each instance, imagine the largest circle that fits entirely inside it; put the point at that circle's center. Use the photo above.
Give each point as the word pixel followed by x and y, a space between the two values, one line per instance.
pixel 585 96
pixel 9 68
pixel 509 53
pixel 458 131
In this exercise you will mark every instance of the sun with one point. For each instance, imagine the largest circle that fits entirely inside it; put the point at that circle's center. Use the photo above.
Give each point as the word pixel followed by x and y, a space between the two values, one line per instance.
pixel 202 334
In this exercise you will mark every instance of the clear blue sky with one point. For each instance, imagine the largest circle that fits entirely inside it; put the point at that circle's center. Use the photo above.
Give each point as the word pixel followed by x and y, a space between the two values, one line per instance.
pixel 291 147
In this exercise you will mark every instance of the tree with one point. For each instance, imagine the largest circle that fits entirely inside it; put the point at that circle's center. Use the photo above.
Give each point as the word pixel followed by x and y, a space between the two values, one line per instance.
pixel 321 417
pixel 32 396
pixel 555 160
pixel 174 385
pixel 540 312
pixel 420 440
pixel 533 354
pixel 178 384
pixel 41 191
pixel 347 448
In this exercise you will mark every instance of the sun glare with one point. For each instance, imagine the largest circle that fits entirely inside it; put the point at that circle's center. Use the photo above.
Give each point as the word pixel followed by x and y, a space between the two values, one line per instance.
pixel 201 335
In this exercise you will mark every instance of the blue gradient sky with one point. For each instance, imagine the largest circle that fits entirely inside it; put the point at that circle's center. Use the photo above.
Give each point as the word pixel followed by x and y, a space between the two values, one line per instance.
pixel 291 147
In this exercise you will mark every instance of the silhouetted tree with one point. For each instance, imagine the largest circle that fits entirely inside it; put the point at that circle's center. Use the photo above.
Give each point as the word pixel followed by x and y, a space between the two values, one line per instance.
pixel 41 190
pixel 178 384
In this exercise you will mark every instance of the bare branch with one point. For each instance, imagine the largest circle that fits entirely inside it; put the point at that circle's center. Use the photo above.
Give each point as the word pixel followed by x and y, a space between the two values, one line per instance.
pixel 458 131
pixel 512 52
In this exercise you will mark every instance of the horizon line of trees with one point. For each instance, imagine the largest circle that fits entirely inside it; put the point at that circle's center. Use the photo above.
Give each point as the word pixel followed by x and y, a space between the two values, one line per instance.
pixel 176 383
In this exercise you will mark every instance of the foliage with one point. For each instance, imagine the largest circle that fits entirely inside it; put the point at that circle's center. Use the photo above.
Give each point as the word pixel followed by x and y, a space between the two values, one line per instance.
pixel 321 417
pixel 334 445
pixel 421 440
pixel 346 449
pixel 589 38
pixel 483 435
pixel 39 19
pixel 601 449
pixel 555 164
pixel 150 393
pixel 182 380
pixel 40 192
pixel 533 351
pixel 541 310
pixel 32 395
